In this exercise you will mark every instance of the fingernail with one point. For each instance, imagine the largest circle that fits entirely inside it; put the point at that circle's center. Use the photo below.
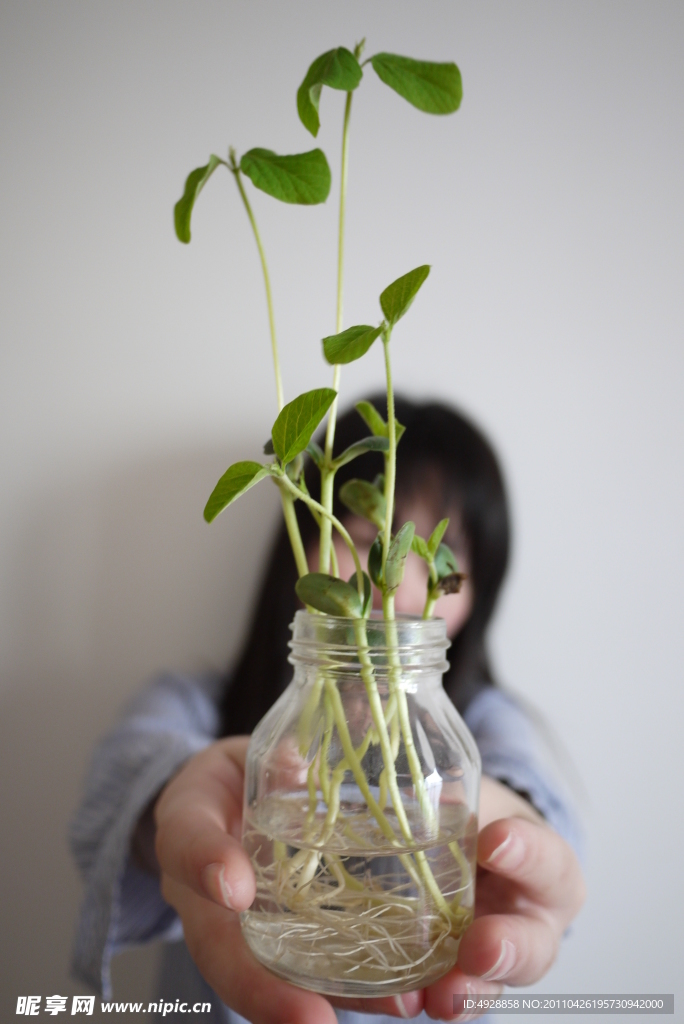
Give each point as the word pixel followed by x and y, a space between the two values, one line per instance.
pixel 509 854
pixel 475 991
pixel 401 1007
pixel 504 965
pixel 214 880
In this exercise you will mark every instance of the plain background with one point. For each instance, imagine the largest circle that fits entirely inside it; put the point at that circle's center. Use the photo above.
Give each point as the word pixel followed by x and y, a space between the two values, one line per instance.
pixel 134 370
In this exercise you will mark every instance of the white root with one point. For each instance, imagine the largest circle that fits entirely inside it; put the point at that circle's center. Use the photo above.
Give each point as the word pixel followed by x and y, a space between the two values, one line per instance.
pixel 315 911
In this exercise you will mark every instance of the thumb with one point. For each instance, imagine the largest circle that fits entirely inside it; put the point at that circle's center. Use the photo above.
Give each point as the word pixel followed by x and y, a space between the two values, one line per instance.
pixel 198 817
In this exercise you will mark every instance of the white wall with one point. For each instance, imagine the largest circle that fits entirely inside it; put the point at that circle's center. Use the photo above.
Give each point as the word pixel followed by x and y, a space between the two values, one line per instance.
pixel 135 369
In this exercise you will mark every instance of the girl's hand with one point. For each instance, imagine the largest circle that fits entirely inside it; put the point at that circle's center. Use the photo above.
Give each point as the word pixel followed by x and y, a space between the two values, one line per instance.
pixel 529 888
pixel 206 875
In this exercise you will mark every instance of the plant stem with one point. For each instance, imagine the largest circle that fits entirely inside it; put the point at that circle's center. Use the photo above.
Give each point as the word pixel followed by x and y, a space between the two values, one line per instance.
pixel 354 763
pixel 326 475
pixel 380 723
pixel 394 665
pixel 293 532
pixel 344 173
pixel 327 486
pixel 430 603
pixel 287 501
pixel 431 598
pixel 313 504
pixel 391 460
pixel 269 299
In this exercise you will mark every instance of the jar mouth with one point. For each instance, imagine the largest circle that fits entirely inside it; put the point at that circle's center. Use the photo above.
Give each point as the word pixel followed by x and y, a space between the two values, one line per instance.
pixel 341 644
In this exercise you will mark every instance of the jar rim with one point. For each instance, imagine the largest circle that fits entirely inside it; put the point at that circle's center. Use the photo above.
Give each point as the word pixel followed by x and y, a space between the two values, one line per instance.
pixel 419 644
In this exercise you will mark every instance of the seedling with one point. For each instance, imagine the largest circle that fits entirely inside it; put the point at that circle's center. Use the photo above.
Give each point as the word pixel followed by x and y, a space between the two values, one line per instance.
pixel 304 178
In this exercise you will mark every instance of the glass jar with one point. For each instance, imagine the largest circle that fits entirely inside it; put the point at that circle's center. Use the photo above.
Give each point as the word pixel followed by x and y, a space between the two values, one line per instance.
pixel 360 816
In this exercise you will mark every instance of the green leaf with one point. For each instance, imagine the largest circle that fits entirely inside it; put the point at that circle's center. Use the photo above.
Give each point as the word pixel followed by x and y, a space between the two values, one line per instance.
pixel 350 344
pixel 338 69
pixel 364 499
pixel 375 561
pixel 396 558
pixel 194 183
pixel 434 88
pixel 297 421
pixel 316 452
pixel 372 418
pixel 399 430
pixel 367 592
pixel 445 561
pixel 303 178
pixel 368 444
pixel 420 547
pixel 379 482
pixel 436 536
pixel 234 482
pixel 450 584
pixel 398 296
pixel 329 595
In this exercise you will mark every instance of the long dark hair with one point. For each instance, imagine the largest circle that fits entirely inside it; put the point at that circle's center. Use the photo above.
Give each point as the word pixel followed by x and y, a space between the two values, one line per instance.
pixel 471 483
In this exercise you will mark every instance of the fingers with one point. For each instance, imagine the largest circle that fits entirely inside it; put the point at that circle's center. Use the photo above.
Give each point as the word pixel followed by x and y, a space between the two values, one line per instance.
pixel 405 1006
pixel 441 999
pixel 214 939
pixel 509 947
pixel 216 944
pixel 530 890
pixel 538 861
pixel 198 819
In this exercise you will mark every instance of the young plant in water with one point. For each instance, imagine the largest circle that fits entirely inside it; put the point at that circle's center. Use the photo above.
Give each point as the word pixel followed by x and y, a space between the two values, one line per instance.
pixel 361 830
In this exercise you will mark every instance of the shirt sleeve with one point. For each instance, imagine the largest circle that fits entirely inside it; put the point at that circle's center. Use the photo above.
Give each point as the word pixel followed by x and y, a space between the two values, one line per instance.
pixel 169 721
pixel 514 751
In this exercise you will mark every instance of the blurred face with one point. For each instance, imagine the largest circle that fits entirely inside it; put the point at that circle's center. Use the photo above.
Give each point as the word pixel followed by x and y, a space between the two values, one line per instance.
pixel 410 597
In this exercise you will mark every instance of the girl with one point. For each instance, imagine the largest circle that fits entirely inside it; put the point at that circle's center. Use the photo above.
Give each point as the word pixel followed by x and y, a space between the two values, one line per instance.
pixel 158 834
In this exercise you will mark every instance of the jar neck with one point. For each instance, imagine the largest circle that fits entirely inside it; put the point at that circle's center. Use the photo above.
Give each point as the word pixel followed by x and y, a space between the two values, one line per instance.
pixel 412 646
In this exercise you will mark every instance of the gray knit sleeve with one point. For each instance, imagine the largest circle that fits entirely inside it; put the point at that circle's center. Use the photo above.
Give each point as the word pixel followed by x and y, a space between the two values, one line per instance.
pixel 169 721
pixel 515 752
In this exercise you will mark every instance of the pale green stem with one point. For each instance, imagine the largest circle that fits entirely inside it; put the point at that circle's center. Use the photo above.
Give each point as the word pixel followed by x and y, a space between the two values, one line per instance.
pixel 359 775
pixel 293 532
pixel 344 174
pixel 431 599
pixel 323 770
pixel 269 299
pixel 392 720
pixel 388 598
pixel 386 747
pixel 313 795
pixel 391 460
pixel 355 764
pixel 388 614
pixel 333 559
pixel 405 723
pixel 327 484
pixel 304 726
pixel 326 475
pixel 313 504
pixel 333 554
pixel 288 505
pixel 466 874
pixel 335 786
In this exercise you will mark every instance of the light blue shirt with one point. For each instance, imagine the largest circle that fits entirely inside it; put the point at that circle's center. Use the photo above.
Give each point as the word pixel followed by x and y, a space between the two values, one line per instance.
pixel 169 721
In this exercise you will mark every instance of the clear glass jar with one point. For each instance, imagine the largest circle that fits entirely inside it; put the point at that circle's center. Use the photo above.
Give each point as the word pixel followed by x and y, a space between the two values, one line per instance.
pixel 360 817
